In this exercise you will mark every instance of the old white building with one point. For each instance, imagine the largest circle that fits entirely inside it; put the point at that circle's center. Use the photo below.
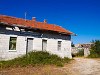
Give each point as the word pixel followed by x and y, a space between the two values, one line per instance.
pixel 19 36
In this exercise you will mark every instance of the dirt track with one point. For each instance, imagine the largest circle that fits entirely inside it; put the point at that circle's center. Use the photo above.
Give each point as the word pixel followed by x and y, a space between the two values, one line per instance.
pixel 84 66
pixel 79 66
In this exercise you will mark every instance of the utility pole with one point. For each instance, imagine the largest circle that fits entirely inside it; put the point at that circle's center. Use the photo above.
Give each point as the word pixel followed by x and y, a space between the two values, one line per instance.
pixel 25 15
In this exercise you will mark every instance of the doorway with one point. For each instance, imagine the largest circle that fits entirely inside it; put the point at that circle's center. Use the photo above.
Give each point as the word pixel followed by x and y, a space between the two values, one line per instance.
pixel 29 45
pixel 44 45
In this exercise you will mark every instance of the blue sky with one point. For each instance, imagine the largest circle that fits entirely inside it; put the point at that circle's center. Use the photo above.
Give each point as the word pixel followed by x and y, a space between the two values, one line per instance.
pixel 79 16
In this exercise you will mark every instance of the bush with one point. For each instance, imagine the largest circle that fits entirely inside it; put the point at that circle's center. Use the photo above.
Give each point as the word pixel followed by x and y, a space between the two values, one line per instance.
pixel 35 58
pixel 80 53
pixel 95 49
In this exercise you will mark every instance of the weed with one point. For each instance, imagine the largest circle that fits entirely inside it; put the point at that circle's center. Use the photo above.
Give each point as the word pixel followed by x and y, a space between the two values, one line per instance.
pixel 35 58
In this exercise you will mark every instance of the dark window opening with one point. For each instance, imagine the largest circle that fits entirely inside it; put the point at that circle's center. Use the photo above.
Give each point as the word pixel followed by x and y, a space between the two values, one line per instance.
pixel 59 45
pixel 12 43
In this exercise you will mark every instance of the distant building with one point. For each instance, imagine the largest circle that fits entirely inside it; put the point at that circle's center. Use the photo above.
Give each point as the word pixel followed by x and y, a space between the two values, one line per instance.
pixel 19 36
pixel 86 47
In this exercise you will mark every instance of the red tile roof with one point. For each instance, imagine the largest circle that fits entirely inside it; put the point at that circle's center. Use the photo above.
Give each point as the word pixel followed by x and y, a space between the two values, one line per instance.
pixel 33 24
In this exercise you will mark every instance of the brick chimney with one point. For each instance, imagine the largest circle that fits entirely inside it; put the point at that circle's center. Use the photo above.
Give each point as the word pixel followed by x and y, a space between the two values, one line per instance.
pixel 45 21
pixel 33 18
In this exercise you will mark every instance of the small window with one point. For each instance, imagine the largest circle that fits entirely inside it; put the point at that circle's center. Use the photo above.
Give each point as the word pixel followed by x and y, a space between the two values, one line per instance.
pixel 12 43
pixel 59 45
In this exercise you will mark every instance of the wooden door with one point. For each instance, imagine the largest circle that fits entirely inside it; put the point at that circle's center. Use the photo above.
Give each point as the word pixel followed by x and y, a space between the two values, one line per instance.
pixel 44 45
pixel 29 44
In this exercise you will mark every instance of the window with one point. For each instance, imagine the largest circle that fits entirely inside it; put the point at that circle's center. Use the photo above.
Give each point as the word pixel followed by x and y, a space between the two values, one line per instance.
pixel 59 45
pixel 12 43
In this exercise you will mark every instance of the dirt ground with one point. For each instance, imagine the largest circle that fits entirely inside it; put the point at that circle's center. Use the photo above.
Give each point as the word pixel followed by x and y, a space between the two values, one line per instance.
pixel 79 66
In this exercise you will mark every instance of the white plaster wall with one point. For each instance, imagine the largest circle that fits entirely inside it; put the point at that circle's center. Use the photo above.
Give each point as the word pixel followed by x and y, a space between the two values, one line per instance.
pixel 52 45
pixel 5 53
pixel 37 44
pixel 86 52
pixel 66 48
pixel 3 45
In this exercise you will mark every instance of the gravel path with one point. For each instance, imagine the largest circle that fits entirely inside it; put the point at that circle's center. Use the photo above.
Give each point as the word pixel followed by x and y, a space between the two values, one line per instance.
pixel 84 66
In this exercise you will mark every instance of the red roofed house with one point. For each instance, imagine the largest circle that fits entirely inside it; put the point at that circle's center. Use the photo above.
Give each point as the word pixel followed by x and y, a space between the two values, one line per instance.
pixel 19 36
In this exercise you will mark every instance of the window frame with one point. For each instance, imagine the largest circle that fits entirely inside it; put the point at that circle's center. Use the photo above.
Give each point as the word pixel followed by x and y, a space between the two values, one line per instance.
pixel 59 45
pixel 43 44
pixel 10 41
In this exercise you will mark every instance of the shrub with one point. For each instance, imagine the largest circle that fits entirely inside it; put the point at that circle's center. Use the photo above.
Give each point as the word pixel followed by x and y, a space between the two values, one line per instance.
pixel 35 58
pixel 80 53
pixel 95 49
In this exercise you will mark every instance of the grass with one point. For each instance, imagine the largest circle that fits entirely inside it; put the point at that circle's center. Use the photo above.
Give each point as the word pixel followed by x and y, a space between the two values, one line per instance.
pixel 95 49
pixel 35 58
pixel 93 54
pixel 79 54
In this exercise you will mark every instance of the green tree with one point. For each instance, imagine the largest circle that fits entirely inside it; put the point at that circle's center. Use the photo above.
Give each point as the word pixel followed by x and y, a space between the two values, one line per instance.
pixel 95 49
